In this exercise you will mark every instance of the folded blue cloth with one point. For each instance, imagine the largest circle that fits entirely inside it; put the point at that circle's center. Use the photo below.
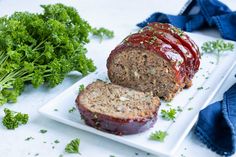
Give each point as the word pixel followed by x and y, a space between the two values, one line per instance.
pixel 210 13
pixel 216 124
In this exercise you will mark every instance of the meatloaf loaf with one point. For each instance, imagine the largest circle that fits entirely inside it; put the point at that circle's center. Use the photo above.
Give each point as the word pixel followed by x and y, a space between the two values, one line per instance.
pixel 160 58
pixel 116 109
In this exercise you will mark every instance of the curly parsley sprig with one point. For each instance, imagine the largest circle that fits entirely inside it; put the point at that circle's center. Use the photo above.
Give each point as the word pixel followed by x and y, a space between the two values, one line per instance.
pixel 102 33
pixel 217 47
pixel 73 146
pixel 168 114
pixel 42 48
pixel 13 119
pixel 158 136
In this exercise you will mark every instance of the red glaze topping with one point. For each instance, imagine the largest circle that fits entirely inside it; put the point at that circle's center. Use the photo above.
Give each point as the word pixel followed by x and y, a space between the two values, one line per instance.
pixel 176 44
pixel 154 44
pixel 183 38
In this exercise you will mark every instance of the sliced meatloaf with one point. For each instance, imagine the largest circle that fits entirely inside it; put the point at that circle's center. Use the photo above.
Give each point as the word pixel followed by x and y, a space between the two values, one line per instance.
pixel 184 39
pixel 156 60
pixel 177 45
pixel 116 109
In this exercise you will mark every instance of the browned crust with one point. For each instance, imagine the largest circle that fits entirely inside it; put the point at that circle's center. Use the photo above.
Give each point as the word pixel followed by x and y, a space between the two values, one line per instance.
pixel 114 125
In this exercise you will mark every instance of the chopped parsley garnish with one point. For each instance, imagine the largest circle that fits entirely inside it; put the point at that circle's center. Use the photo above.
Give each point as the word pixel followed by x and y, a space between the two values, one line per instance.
pixel 72 110
pixel 56 141
pixel 190 108
pixel 43 131
pixel 158 136
pixel 179 109
pixel 13 119
pixel 168 104
pixel 190 98
pixel 168 114
pixel 81 88
pixel 73 146
pixel 199 88
pixel 29 138
pixel 217 47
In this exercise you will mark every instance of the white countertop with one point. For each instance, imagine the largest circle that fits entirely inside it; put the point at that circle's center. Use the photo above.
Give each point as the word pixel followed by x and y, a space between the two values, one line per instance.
pixel 111 14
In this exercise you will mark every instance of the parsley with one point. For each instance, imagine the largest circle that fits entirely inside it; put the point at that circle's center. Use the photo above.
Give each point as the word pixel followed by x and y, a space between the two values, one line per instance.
pixel 13 119
pixel 42 48
pixel 56 141
pixel 72 110
pixel 168 104
pixel 43 131
pixel 158 136
pixel 190 108
pixel 168 115
pixel 81 88
pixel 199 88
pixel 29 138
pixel 190 98
pixel 217 47
pixel 73 146
pixel 102 33
pixel 179 109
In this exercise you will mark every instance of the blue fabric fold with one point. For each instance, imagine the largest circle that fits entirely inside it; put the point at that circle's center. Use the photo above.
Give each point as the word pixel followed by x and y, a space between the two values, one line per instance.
pixel 216 124
pixel 211 13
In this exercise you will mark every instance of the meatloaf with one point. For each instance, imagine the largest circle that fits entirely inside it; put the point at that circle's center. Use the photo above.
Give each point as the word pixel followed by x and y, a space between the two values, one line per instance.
pixel 160 58
pixel 116 109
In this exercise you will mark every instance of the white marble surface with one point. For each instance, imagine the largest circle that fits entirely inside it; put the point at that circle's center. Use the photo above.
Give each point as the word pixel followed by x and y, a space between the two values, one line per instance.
pixel 98 13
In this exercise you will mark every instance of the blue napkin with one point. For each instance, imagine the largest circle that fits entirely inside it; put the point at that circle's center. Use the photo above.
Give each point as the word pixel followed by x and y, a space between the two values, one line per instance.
pixel 216 124
pixel 200 14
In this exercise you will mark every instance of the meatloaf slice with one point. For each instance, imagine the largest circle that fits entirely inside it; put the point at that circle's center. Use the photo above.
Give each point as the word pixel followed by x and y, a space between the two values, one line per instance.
pixel 116 109
pixel 147 64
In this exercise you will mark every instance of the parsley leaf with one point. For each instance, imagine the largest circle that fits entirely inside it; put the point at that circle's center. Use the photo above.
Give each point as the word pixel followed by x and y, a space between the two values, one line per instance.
pixel 56 141
pixel 73 146
pixel 158 136
pixel 29 138
pixel 81 88
pixel 43 131
pixel 168 114
pixel 13 119
pixel 72 110
pixel 102 33
pixel 217 47
pixel 199 88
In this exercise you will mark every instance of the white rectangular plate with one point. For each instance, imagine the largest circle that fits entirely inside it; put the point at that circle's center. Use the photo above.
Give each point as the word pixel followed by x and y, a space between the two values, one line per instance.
pixel 210 77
